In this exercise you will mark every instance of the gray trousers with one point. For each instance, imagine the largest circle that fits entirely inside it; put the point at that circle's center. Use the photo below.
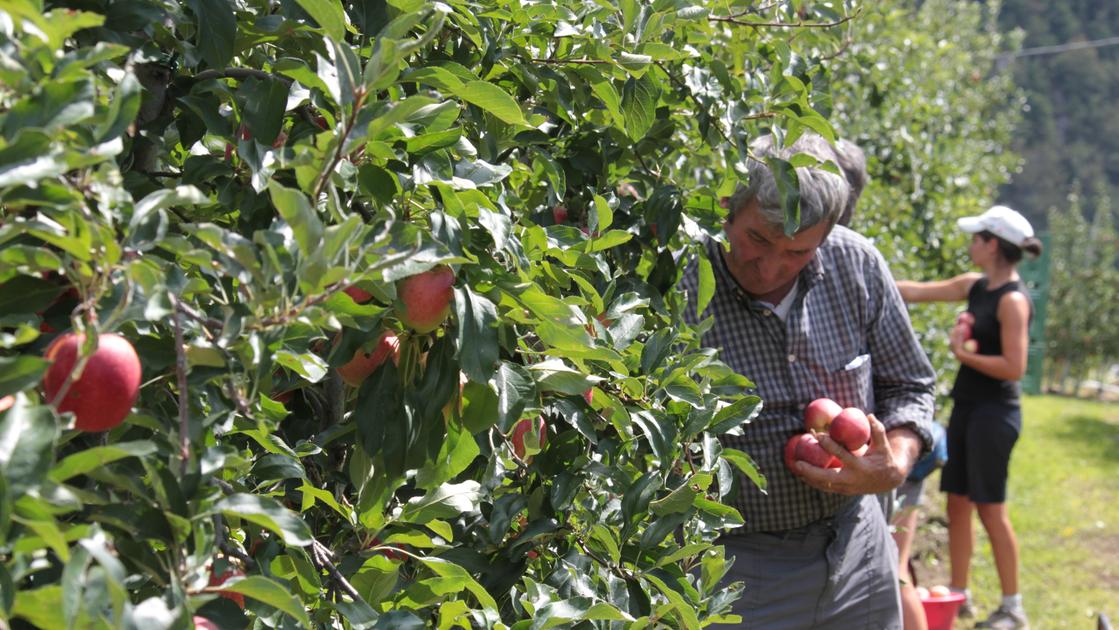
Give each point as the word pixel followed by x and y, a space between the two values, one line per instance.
pixel 837 573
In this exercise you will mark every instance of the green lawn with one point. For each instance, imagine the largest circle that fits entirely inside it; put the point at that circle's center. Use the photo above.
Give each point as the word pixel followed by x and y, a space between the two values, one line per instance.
pixel 1064 503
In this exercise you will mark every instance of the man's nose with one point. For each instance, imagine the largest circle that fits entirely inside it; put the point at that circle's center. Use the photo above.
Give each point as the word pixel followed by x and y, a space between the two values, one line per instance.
pixel 768 268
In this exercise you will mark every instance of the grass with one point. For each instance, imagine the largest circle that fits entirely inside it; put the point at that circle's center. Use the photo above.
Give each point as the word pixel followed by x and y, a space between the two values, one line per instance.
pixel 1064 504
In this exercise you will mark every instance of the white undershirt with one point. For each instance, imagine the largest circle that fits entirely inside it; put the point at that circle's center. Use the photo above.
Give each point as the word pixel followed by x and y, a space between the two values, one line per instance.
pixel 782 308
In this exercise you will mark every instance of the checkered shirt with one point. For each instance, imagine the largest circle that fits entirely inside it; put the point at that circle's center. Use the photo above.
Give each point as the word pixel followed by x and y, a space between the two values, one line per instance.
pixel 847 337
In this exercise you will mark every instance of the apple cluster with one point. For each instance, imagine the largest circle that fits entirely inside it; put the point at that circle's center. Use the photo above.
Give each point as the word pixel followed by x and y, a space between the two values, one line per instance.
pixel 964 321
pixel 847 426
pixel 423 304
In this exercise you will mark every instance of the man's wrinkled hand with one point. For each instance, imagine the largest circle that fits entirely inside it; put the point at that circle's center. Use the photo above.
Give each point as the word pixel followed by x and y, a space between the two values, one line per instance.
pixel 876 471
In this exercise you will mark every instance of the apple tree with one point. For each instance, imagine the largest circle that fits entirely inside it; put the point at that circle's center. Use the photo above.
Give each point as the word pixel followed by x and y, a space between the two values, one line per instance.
pixel 401 279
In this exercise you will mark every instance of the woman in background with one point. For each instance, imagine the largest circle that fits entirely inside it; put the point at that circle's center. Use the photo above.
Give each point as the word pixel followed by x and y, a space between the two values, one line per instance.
pixel 991 344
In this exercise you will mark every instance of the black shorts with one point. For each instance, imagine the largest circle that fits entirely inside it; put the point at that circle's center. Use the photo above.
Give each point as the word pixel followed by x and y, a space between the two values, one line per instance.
pixel 980 438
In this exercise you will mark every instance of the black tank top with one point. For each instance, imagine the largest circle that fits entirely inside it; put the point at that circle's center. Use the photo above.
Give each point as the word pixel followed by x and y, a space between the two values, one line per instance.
pixel 971 385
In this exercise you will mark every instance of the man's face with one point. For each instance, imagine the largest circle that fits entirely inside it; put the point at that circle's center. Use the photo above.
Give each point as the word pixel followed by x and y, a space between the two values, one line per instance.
pixel 765 261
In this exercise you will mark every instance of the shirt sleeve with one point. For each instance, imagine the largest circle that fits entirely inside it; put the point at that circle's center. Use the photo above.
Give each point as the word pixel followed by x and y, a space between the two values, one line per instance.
pixel 903 378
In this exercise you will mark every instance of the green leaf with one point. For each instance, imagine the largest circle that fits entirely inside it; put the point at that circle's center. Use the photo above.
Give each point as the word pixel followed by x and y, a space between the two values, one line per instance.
pixel 329 16
pixel 788 188
pixel 40 606
pixel 494 100
pixel 680 499
pixel 26 295
pixel 309 365
pixel 516 389
pixel 447 501
pixel 98 457
pixel 267 513
pixel 123 107
pixel 706 285
pixel 216 27
pixel 264 105
pixel 296 210
pixel 447 569
pixel 27 436
pixel 379 408
pixel 639 102
pixel 270 592
pixel 746 465
pixel 741 411
pixel 20 372
pixel 477 334
pixel 35 259
pixel 165 198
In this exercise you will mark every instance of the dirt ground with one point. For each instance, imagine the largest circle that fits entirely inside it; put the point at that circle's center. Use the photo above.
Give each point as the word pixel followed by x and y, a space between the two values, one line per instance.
pixel 929 558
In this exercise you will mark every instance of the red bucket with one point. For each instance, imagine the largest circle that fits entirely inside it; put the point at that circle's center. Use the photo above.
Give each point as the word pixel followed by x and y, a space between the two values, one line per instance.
pixel 941 611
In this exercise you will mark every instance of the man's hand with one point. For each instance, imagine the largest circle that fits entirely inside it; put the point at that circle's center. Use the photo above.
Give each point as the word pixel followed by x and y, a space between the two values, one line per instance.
pixel 884 466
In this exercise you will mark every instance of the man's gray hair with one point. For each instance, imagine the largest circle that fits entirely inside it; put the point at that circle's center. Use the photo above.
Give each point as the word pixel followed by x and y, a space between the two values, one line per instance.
pixel 823 194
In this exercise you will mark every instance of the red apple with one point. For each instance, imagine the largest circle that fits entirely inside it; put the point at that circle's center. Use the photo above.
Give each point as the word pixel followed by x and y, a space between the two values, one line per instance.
pixel 819 414
pixel 424 300
pixel 7 401
pixel 520 432
pixel 102 397
pixel 202 623
pixel 965 317
pixel 388 551
pixel 791 449
pixel 809 450
pixel 358 295
pixel 559 214
pixel 218 580
pixel 965 329
pixel 587 396
pixel 859 452
pixel 971 345
pixel 365 363
pixel 851 428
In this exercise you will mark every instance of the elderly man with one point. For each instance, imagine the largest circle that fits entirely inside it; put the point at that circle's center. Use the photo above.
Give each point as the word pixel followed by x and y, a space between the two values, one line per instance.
pixel 812 315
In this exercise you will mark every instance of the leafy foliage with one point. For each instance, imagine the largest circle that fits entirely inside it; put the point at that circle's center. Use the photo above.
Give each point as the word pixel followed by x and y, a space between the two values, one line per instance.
pixel 213 180
pixel 919 92
pixel 1081 332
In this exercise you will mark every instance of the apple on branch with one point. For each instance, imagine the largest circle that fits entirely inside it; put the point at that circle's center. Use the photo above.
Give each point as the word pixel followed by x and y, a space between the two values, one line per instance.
pixel 365 363
pixel 424 300
pixel 102 396
pixel 218 579
pixel 523 436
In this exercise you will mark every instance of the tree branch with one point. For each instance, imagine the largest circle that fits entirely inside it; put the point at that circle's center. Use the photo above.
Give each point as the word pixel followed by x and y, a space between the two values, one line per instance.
pixel 801 24
pixel 239 74
pixel 321 556
pixel 180 373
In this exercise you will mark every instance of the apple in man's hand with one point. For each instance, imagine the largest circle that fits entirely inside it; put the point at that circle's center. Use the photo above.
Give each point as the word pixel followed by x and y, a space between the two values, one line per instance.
pixel 851 428
pixel 809 450
pixel 819 414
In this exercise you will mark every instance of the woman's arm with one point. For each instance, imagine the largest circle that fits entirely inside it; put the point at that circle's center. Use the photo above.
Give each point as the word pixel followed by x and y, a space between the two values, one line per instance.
pixel 1014 318
pixel 951 290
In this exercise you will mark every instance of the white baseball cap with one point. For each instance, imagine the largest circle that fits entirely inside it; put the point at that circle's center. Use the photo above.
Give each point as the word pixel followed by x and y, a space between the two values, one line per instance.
pixel 1001 221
